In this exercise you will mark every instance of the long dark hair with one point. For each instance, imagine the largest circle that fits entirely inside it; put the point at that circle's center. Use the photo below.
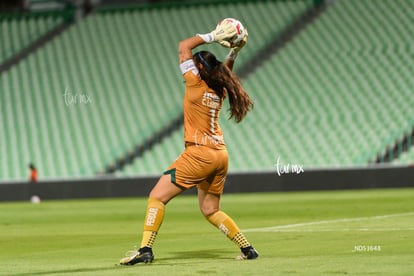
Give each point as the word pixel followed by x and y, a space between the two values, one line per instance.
pixel 225 83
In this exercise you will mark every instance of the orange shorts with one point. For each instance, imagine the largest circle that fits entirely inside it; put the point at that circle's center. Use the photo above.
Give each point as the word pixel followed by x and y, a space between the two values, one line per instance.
pixel 200 166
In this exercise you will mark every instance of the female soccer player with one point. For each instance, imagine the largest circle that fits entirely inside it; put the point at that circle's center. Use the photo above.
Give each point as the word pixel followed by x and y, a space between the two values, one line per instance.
pixel 204 162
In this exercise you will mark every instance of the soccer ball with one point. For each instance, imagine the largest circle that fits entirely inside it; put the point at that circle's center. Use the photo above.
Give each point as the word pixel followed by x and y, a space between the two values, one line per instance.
pixel 35 199
pixel 241 31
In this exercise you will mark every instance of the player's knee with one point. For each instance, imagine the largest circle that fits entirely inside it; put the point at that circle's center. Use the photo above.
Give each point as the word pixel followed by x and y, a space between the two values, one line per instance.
pixel 208 210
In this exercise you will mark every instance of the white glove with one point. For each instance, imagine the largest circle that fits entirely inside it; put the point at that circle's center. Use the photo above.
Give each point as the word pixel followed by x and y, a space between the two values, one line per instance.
pixel 232 55
pixel 222 34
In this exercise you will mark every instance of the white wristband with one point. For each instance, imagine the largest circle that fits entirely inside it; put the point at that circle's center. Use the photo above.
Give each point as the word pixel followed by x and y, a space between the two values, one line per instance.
pixel 232 55
pixel 208 38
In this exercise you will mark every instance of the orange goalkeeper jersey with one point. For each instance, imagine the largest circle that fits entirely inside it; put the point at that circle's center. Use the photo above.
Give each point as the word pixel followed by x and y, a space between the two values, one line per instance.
pixel 201 110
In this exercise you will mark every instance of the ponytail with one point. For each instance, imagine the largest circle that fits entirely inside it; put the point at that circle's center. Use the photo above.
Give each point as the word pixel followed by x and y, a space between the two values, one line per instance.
pixel 225 83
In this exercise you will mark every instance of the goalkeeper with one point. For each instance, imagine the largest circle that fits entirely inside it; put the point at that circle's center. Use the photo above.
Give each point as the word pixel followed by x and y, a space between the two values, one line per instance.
pixel 204 161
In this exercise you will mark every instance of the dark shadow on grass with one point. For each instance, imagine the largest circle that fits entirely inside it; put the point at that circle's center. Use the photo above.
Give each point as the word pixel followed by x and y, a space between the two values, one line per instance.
pixel 198 254
pixel 179 257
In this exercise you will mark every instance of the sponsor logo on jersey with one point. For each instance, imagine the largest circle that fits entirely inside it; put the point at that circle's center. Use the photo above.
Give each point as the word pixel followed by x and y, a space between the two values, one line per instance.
pixel 211 100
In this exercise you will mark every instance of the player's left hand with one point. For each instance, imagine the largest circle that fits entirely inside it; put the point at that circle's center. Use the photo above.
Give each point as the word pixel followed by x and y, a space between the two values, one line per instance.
pixel 242 43
pixel 232 55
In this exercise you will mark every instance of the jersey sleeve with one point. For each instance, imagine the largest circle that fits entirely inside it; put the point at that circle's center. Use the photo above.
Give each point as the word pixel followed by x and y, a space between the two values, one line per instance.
pixel 190 72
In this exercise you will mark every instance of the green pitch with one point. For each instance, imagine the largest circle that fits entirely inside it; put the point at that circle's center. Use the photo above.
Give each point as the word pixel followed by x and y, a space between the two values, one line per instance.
pixel 311 233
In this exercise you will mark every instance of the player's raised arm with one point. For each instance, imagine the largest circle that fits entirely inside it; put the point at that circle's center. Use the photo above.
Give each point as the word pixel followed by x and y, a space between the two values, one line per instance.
pixel 232 55
pixel 221 34
pixel 185 47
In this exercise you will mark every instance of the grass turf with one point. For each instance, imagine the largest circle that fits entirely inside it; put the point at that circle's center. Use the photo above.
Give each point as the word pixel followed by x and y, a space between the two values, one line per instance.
pixel 308 233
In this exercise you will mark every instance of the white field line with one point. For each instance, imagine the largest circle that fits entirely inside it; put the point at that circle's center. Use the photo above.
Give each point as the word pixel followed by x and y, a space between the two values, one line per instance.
pixel 333 230
pixel 291 227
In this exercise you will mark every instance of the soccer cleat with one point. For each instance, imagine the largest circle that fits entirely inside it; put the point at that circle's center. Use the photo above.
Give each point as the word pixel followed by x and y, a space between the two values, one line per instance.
pixel 248 253
pixel 143 255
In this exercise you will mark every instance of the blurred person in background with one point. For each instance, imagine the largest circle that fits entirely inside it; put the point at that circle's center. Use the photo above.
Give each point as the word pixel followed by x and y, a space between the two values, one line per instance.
pixel 33 173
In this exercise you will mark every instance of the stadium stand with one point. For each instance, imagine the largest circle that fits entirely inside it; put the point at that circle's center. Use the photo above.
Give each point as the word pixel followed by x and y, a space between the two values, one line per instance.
pixel 19 31
pixel 338 94
pixel 288 11
pixel 107 83
pixel 406 158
